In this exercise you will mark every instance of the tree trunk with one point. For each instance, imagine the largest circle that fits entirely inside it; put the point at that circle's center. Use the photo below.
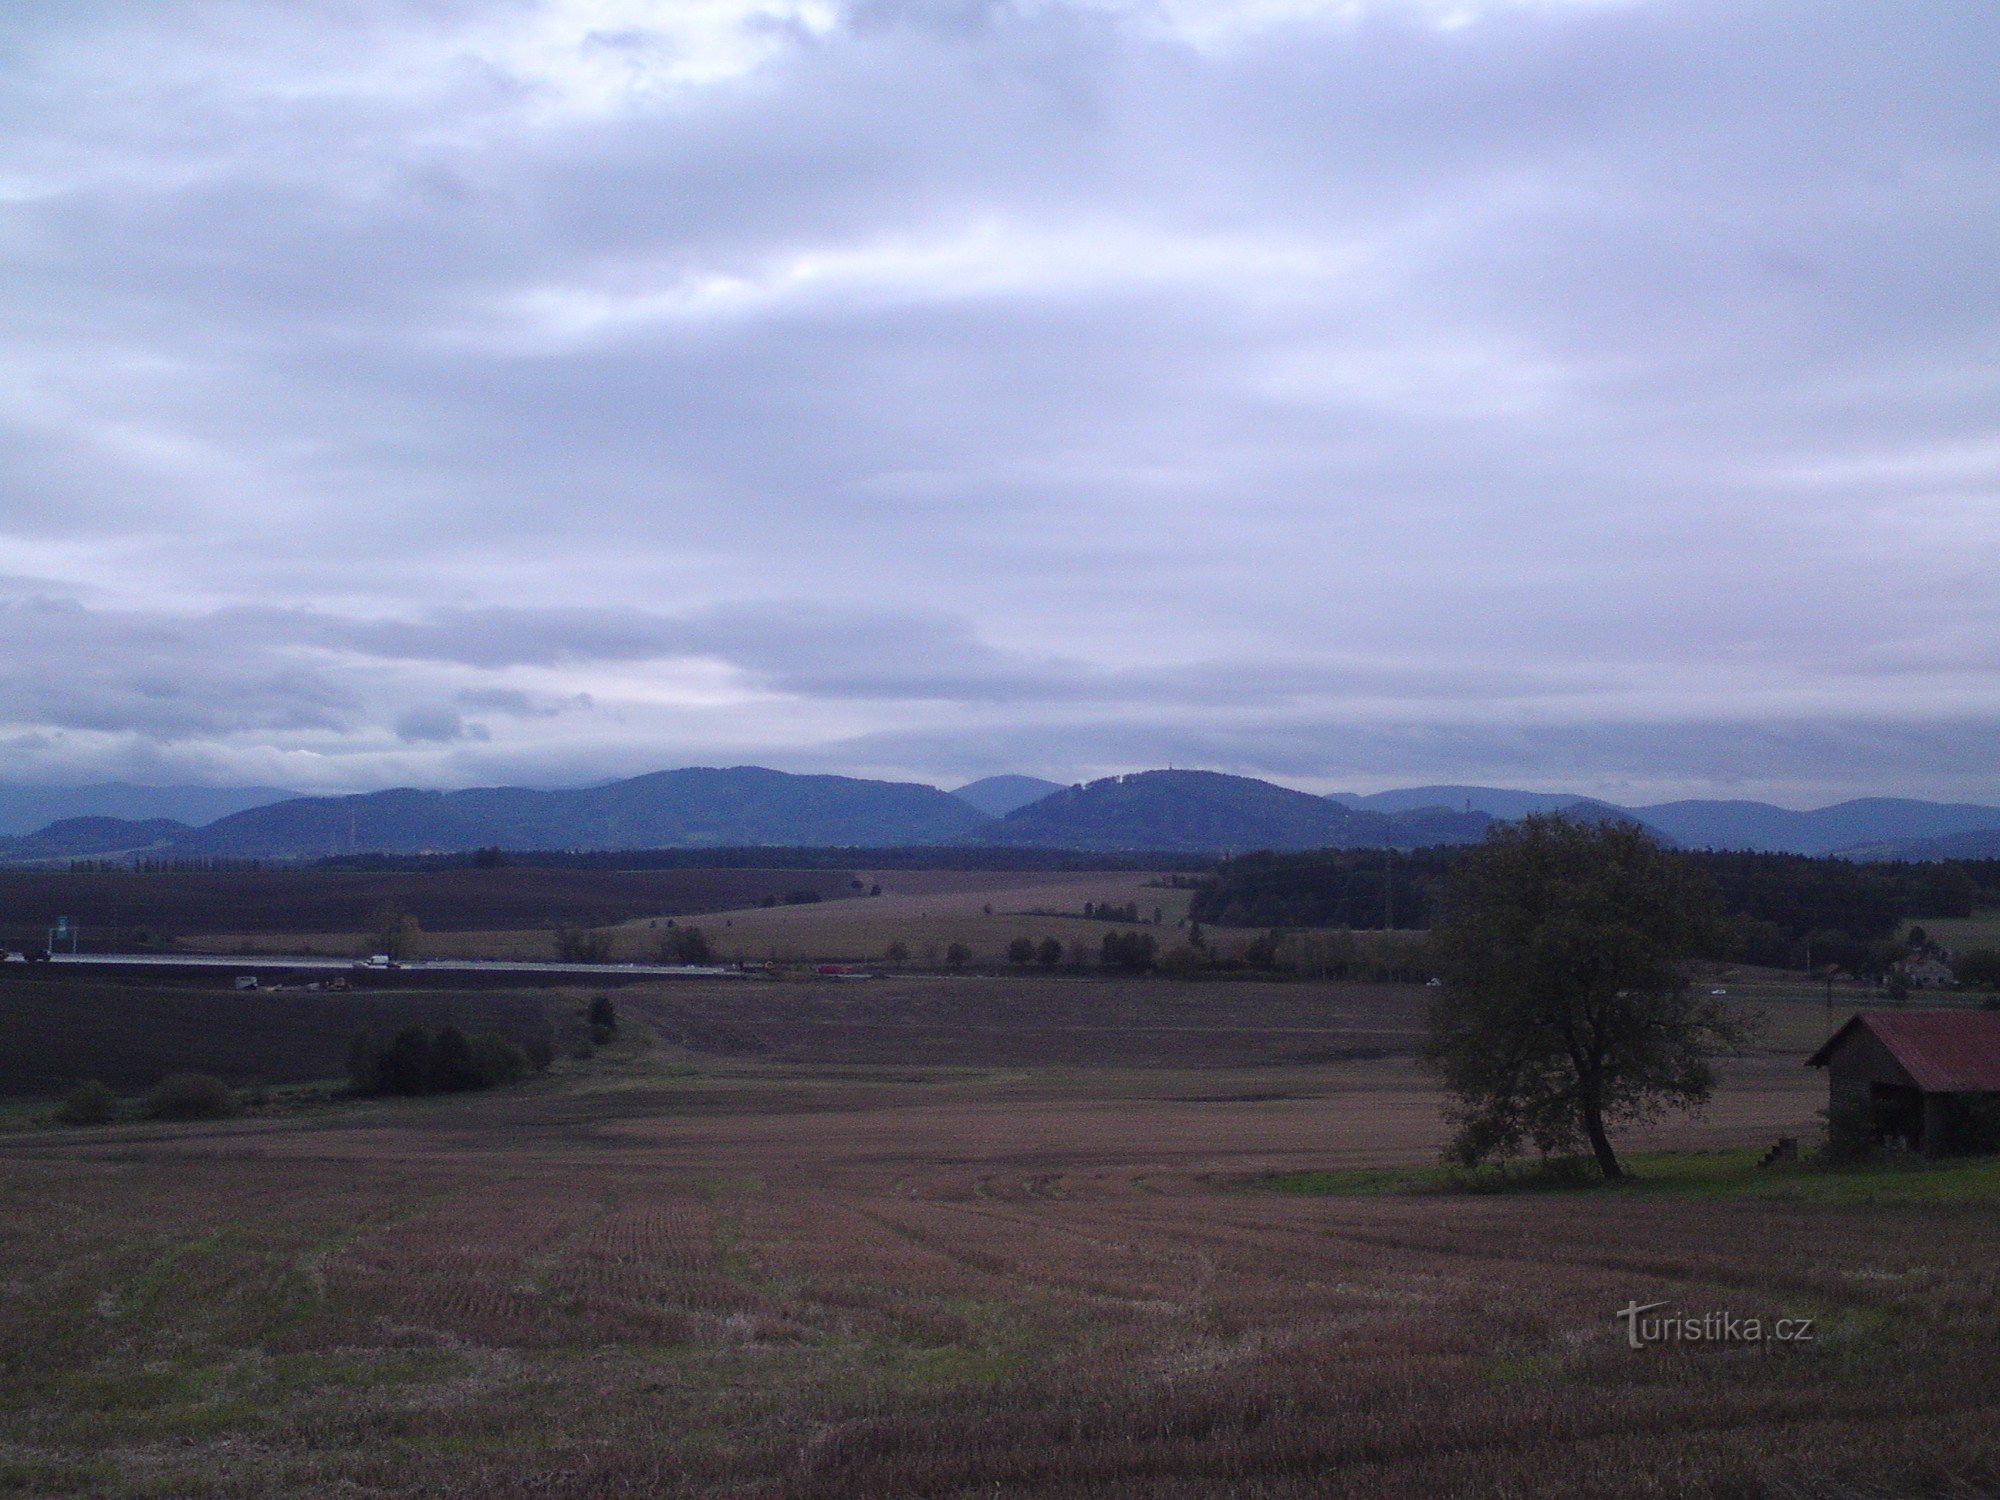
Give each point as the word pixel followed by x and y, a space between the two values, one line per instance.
pixel 1600 1144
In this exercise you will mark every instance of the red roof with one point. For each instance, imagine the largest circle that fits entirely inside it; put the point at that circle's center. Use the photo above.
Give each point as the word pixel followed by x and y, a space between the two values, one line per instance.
pixel 1943 1051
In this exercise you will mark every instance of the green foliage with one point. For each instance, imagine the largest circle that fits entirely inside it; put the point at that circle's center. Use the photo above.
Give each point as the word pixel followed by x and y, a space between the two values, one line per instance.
pixel 685 945
pixel 898 952
pixel 1979 967
pixel 1971 1124
pixel 364 1063
pixel 189 1096
pixel 1568 1004
pixel 603 1020
pixel 419 1061
pixel 1021 951
pixel 1130 951
pixel 1105 911
pixel 393 931
pixel 1850 1132
pixel 957 956
pixel 1349 888
pixel 582 945
pixel 89 1103
pixel 1049 952
pixel 1262 953
pixel 497 1061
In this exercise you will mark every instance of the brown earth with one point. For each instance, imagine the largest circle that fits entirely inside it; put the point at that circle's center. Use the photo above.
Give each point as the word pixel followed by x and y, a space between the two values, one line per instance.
pixel 809 1277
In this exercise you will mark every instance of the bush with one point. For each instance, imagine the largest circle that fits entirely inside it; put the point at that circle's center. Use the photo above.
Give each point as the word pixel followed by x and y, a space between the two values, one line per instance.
pixel 89 1103
pixel 447 1062
pixel 1131 951
pixel 957 956
pixel 1979 967
pixel 1048 953
pixel 404 1066
pixel 603 1018
pixel 684 945
pixel 1021 951
pixel 189 1096
pixel 1850 1131
pixel 364 1063
pixel 452 1068
pixel 582 945
pixel 497 1061
pixel 898 953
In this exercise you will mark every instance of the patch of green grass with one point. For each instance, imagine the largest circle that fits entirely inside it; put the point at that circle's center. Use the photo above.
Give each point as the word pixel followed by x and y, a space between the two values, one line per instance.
pixel 1693 1174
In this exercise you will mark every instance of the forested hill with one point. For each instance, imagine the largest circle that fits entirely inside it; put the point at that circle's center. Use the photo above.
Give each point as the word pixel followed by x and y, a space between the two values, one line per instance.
pixel 1207 810
pixel 692 807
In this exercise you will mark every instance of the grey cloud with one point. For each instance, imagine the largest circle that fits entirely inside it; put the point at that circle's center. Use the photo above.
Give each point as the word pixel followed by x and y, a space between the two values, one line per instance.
pixel 1016 375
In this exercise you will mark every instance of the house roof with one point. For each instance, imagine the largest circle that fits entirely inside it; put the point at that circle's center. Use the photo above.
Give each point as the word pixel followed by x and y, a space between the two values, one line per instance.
pixel 1943 1051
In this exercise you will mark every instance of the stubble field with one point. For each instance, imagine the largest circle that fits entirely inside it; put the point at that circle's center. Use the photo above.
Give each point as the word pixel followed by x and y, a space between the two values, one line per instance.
pixel 782 1276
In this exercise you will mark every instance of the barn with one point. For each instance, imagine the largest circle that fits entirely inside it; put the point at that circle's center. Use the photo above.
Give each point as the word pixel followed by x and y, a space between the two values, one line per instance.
pixel 1930 1079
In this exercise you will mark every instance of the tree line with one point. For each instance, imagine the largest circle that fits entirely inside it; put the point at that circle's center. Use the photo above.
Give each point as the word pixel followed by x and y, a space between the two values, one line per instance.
pixel 1780 910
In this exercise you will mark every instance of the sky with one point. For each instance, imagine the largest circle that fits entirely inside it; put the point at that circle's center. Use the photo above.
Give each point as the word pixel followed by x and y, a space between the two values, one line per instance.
pixel 1588 394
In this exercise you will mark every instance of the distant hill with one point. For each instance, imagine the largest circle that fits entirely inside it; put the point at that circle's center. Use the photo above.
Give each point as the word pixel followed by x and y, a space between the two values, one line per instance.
pixel 23 809
pixel 1843 828
pixel 1824 830
pixel 84 838
pixel 697 807
pixel 996 796
pixel 1496 802
pixel 1981 843
pixel 1206 810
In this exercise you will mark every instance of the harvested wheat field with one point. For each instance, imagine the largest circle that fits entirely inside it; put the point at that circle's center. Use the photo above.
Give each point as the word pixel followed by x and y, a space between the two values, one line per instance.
pixel 783 1277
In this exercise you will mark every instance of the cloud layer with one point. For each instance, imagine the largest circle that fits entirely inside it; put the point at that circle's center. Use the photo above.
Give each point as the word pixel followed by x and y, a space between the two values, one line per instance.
pixel 1576 392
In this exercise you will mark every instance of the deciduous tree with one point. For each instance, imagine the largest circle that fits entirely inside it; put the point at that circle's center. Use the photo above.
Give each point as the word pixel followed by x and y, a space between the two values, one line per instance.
pixel 1568 1004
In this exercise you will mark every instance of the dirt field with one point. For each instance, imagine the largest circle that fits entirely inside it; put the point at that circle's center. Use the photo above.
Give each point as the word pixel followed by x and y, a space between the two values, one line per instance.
pixel 59 1031
pixel 335 907
pixel 805 1276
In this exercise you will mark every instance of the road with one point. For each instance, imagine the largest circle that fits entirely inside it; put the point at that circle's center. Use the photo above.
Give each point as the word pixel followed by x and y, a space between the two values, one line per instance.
pixel 250 963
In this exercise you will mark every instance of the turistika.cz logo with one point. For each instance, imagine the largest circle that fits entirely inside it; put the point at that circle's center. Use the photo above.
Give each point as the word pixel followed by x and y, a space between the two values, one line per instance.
pixel 1645 1324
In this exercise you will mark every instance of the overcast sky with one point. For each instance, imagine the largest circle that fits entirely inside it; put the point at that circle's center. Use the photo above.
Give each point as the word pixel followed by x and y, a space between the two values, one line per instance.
pixel 1593 394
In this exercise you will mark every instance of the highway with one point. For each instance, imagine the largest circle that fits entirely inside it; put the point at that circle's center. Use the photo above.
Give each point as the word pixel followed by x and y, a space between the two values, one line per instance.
pixel 260 962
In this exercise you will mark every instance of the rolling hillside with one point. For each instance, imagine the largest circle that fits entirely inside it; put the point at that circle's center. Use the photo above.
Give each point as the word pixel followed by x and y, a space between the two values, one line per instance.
pixel 1206 810
pixel 696 807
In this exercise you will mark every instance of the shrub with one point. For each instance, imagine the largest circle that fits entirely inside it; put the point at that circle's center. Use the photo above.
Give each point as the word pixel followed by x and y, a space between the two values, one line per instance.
pixel 497 1061
pixel 898 953
pixel 452 1067
pixel 603 1017
pixel 1850 1131
pixel 684 945
pixel 957 956
pixel 418 1062
pixel 89 1103
pixel 404 1066
pixel 1979 967
pixel 582 945
pixel 364 1063
pixel 189 1096
pixel 1132 951
pixel 1021 951
pixel 1049 952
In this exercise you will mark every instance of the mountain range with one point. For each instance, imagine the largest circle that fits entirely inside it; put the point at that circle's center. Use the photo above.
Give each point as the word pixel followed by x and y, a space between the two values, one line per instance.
pixel 23 809
pixel 1869 827
pixel 749 806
